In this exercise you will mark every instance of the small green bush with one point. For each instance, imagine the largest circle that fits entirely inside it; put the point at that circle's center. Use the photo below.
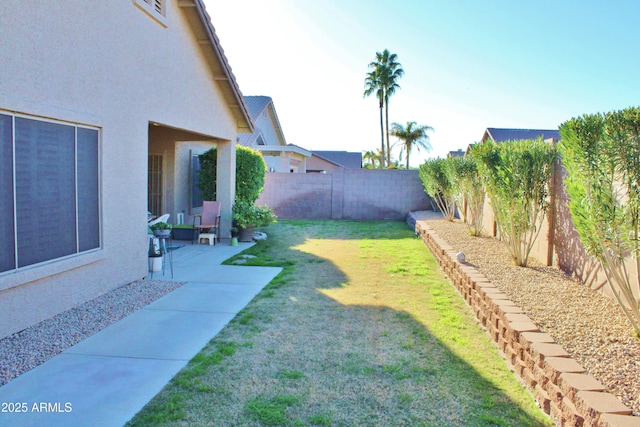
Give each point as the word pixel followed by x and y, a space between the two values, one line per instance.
pixel 247 214
pixel 437 185
pixel 516 176
pixel 467 187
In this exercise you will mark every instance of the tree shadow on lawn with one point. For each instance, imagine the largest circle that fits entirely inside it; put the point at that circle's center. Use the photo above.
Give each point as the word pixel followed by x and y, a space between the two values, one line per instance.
pixel 422 355
pixel 342 340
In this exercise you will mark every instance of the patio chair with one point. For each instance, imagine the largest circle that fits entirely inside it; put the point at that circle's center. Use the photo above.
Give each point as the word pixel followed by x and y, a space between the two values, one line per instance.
pixel 209 221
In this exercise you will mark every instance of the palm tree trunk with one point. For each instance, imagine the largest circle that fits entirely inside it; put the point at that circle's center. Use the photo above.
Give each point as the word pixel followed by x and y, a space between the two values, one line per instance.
pixel 408 148
pixel 381 137
pixel 386 110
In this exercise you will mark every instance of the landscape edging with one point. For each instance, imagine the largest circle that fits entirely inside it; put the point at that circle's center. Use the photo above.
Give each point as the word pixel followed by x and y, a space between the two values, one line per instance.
pixel 558 382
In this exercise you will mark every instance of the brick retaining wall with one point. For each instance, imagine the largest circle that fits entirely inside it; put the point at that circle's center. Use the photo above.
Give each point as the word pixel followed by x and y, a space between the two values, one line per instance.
pixel 558 382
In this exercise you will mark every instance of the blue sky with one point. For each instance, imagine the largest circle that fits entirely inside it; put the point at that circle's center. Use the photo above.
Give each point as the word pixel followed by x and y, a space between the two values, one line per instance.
pixel 468 65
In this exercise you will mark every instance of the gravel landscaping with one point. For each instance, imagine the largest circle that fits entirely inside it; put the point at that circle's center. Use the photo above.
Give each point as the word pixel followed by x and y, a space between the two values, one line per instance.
pixel 590 326
pixel 29 348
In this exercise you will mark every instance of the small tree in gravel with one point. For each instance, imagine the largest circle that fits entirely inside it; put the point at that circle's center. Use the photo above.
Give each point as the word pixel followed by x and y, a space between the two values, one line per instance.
pixel 437 185
pixel 467 187
pixel 601 154
pixel 516 176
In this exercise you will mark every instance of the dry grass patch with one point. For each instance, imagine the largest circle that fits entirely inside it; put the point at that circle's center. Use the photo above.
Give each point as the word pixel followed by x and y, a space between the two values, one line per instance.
pixel 360 329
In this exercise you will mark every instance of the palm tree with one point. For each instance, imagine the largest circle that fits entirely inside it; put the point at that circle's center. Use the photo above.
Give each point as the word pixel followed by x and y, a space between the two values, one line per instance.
pixel 369 159
pixel 414 135
pixel 372 83
pixel 372 158
pixel 392 71
pixel 383 80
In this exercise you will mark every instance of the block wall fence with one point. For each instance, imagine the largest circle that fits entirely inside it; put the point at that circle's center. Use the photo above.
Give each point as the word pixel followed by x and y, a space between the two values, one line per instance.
pixel 357 194
pixel 558 382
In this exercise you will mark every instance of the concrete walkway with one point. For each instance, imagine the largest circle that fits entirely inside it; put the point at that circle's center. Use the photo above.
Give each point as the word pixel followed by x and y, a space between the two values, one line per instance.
pixel 107 378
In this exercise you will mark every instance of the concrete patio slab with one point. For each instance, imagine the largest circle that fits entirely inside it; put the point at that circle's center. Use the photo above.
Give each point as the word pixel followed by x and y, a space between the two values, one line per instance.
pixel 155 334
pixel 226 274
pixel 208 297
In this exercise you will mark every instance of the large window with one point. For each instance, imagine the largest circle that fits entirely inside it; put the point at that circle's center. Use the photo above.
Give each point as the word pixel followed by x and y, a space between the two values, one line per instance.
pixel 49 191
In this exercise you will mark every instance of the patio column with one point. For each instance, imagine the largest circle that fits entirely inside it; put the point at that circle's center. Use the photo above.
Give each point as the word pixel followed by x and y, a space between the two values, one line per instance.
pixel 226 184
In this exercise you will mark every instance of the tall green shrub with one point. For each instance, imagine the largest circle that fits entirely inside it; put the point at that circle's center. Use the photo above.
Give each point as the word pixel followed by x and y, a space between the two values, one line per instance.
pixel 467 187
pixel 250 173
pixel 601 154
pixel 436 183
pixel 516 176
pixel 207 174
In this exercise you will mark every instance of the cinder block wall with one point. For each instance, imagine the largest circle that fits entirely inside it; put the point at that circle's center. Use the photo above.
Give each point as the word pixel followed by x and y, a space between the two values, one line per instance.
pixel 361 194
pixel 558 382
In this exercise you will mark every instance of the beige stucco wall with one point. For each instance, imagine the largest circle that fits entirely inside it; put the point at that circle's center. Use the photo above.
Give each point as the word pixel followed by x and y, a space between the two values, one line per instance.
pixel 105 64
pixel 315 163
pixel 274 162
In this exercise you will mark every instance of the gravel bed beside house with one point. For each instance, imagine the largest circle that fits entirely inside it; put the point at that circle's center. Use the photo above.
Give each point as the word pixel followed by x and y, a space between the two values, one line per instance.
pixel 24 350
pixel 590 326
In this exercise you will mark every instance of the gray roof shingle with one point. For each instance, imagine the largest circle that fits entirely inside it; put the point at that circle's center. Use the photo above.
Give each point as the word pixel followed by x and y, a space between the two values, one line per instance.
pixel 257 104
pixel 341 158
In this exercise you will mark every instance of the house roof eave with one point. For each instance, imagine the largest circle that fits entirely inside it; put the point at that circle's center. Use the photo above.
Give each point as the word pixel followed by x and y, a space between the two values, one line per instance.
pixel 285 149
pixel 224 77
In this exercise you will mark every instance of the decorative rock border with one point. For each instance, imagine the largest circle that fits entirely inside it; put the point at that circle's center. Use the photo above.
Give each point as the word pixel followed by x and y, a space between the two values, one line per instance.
pixel 559 383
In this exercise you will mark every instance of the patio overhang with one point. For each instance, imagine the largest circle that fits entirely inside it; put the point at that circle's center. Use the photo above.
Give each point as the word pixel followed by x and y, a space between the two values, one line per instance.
pixel 273 150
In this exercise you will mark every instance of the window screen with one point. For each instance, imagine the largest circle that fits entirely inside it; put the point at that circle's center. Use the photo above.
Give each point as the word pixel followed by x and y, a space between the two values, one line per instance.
pixel 51 171
pixel 7 231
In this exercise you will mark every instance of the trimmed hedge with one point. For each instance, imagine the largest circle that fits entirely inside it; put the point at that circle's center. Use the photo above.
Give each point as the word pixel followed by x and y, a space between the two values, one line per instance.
pixel 250 171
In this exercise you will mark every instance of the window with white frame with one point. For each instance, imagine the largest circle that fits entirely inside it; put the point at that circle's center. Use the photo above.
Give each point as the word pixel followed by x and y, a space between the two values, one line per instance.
pixel 49 190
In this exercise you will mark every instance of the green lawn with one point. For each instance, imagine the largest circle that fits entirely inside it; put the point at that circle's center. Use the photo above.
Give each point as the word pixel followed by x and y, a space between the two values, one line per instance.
pixel 360 329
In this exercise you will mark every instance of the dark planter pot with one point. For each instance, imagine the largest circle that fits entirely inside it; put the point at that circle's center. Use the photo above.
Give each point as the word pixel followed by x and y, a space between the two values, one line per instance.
pixel 246 234
pixel 185 233
pixel 162 233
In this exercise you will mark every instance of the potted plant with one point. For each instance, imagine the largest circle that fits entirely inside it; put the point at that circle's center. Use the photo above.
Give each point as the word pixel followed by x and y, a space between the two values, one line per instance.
pixel 155 256
pixel 161 229
pixel 184 232
pixel 235 233
pixel 248 215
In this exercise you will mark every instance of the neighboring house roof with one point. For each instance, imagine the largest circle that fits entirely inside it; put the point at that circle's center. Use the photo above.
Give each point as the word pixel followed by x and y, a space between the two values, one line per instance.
pixel 457 153
pixel 341 158
pixel 200 22
pixel 500 134
pixel 256 106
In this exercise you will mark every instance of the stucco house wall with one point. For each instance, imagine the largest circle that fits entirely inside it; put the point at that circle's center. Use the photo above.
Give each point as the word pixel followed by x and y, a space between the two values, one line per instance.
pixel 112 66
